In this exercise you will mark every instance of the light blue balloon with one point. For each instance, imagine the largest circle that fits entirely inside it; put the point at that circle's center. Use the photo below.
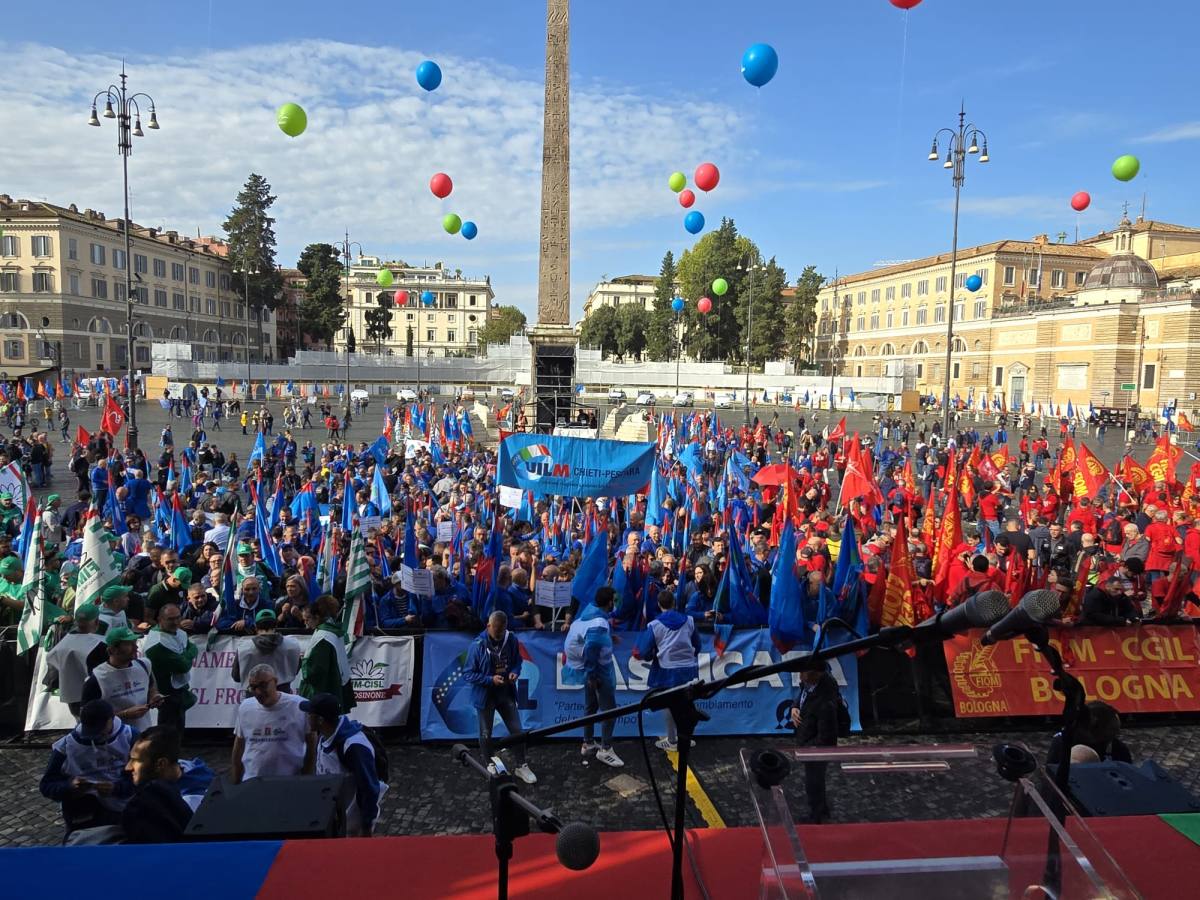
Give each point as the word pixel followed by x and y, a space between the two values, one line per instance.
pixel 469 230
pixel 759 64
pixel 429 75
pixel 677 304
pixel 974 282
pixel 427 298
pixel 694 222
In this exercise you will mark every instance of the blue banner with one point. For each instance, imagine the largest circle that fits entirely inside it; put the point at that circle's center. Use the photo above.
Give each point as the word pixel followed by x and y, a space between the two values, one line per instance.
pixel 757 707
pixel 574 467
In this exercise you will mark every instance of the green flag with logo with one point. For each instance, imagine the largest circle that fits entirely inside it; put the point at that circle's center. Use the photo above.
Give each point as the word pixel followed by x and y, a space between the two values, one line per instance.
pixel 97 567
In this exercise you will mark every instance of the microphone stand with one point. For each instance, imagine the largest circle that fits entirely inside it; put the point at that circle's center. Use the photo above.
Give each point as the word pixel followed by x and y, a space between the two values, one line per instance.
pixel 510 814
pixel 681 702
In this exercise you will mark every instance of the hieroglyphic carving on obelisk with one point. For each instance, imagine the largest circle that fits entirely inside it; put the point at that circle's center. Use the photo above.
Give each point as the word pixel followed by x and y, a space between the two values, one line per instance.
pixel 554 256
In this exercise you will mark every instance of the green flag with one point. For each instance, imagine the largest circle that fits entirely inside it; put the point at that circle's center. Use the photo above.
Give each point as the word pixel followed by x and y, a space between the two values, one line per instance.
pixel 97 567
pixel 33 590
pixel 358 582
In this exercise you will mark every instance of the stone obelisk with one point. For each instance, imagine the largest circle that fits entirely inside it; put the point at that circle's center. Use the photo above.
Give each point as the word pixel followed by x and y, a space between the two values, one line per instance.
pixel 552 339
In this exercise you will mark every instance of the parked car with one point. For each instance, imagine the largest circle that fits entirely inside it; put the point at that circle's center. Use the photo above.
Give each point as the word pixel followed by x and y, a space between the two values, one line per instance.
pixel 645 398
pixel 616 395
pixel 724 401
pixel 406 395
pixel 683 398
pixel 360 395
pixel 508 395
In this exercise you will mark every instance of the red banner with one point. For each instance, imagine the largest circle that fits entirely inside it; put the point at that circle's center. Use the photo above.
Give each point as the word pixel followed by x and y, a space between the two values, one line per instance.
pixel 1151 668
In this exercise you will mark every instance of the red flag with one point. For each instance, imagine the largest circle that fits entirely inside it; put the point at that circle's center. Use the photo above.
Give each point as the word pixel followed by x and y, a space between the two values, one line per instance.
pixel 966 481
pixel 1075 604
pixel 41 390
pixel 112 418
pixel 82 438
pixel 839 431
pixel 1183 422
pixel 1161 464
pixel 21 392
pixel 857 483
pixel 898 593
pixel 949 534
pixel 1090 474
pixel 1135 474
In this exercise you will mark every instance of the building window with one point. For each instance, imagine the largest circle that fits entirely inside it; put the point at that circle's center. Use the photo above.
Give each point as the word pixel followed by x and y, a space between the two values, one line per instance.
pixel 960 311
pixel 1058 278
pixel 980 309
pixel 998 379
pixel 99 288
pixel 1148 373
pixel 452 301
pixel 43 282
pixel 41 246
pixel 225 309
pixel 240 311
pixel 14 349
pixel 470 299
pixel 10 282
pixel 939 314
pixel 890 293
pixel 429 335
pixel 160 297
pixel 119 260
pixel 193 303
pixel 210 306
pixel 224 281
pixel 99 351
pixel 975 370
pixel 862 298
pixel 141 354
pixel 859 323
pixel 119 291
pixel 193 275
pixel 983 275
pixel 160 268
pixel 119 356
pixel 97 256
pixel 179 302
pixel 922 315
pixel 408 317
pixel 1010 275
pixel 920 370
pixel 140 264
pixel 450 336
pixel 1034 277
pixel 875 295
pixel 955 371
pixel 940 284
pixel 960 279
pixel 72 248
pixel 905 290
pixel 923 287
pixel 10 245
pixel 889 318
pixel 904 318
pixel 210 280
pixel 473 337
pixel 874 321
pixel 177 271
pixel 73 282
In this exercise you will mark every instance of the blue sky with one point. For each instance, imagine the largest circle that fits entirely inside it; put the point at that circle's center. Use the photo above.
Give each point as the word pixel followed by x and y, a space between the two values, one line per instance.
pixel 825 166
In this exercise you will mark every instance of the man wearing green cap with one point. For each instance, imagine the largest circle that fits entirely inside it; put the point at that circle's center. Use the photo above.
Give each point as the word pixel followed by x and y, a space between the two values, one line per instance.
pixel 171 656
pixel 124 680
pixel 113 600
pixel 72 659
pixel 12 596
pixel 172 589
pixel 249 567
pixel 10 515
pixel 52 530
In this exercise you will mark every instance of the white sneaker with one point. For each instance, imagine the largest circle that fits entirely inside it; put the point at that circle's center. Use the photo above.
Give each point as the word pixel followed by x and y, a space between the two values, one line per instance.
pixel 609 757
pixel 668 745
pixel 525 774
pixel 589 747
pixel 492 769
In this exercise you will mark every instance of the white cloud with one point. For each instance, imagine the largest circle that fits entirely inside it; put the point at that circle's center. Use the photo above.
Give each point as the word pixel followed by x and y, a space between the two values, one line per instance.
pixel 1185 131
pixel 373 141
pixel 1028 206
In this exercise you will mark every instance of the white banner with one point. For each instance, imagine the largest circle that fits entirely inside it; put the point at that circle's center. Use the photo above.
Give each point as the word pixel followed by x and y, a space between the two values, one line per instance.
pixel 380 667
pixel 12 479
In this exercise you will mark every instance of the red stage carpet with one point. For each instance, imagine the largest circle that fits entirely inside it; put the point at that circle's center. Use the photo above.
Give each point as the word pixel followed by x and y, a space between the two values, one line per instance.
pixel 1157 859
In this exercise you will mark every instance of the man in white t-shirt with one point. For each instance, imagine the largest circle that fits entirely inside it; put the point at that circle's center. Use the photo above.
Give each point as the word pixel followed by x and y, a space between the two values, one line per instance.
pixel 272 734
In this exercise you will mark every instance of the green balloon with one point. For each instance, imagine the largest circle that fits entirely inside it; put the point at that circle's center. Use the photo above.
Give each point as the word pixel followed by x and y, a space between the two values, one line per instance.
pixel 677 182
pixel 452 223
pixel 292 119
pixel 1126 167
pixel 720 286
pixel 384 277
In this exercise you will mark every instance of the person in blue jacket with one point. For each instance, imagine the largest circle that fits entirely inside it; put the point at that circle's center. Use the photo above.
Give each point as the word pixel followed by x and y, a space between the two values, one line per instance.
pixel 344 749
pixel 589 661
pixel 493 666
pixel 137 503
pixel 237 615
pixel 671 645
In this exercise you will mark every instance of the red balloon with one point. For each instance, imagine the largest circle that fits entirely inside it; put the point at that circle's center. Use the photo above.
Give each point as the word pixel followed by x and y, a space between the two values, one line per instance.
pixel 706 177
pixel 441 185
pixel 401 298
pixel 905 4
pixel 704 305
pixel 686 198
pixel 1081 201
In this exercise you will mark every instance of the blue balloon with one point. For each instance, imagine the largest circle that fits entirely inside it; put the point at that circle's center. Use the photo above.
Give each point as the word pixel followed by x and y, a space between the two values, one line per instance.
pixel 677 304
pixel 427 298
pixel 694 222
pixel 759 64
pixel 469 230
pixel 429 75
pixel 974 282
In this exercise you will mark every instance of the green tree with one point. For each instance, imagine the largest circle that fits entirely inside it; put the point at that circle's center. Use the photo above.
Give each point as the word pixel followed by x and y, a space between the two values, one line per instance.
pixel 323 309
pixel 250 233
pixel 351 344
pixel 503 322
pixel 379 321
pixel 660 333
pixel 802 316
pixel 600 330
pixel 632 321
pixel 718 334
pixel 767 336
pixel 408 342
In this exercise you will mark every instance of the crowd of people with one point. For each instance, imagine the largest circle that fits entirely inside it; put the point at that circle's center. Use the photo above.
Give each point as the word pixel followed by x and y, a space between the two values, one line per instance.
pixel 735 521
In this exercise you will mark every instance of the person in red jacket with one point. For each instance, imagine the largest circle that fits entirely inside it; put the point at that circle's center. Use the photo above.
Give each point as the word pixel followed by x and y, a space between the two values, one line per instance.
pixel 1164 545
pixel 1048 505
pixel 1085 514
pixel 980 577
pixel 990 506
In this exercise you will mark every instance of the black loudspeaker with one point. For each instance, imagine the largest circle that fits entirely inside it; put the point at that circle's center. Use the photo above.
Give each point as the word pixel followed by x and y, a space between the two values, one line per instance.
pixel 1121 789
pixel 273 808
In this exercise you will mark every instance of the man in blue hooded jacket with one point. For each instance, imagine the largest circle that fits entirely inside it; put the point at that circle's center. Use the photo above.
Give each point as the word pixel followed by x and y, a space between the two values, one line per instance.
pixel 672 647
pixel 344 749
pixel 493 666
pixel 589 652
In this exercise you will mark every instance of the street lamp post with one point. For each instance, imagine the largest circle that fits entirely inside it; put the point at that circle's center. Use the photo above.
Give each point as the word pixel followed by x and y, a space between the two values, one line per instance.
pixel 126 109
pixel 346 245
pixel 834 353
pixel 956 157
pixel 750 267
pixel 678 351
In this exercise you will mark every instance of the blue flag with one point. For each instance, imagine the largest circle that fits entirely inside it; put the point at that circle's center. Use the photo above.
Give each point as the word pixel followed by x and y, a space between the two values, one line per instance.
pixel 657 497
pixel 260 449
pixel 379 449
pixel 379 493
pixel 847 576
pixel 786 615
pixel 737 590
pixel 592 572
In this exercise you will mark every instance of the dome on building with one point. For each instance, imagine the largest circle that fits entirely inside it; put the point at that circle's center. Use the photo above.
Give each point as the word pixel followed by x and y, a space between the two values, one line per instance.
pixel 1122 270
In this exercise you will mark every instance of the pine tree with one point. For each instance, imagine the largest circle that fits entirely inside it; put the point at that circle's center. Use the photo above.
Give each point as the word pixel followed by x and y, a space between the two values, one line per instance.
pixel 802 316
pixel 379 321
pixel 323 309
pixel 660 333
pixel 250 233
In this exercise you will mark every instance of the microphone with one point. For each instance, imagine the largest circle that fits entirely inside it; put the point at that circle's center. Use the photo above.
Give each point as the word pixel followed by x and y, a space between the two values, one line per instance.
pixel 1035 610
pixel 982 610
pixel 577 846
pixel 458 751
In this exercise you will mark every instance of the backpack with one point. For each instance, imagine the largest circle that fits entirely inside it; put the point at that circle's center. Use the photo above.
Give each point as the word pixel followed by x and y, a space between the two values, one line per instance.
pixel 382 769
pixel 843 716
